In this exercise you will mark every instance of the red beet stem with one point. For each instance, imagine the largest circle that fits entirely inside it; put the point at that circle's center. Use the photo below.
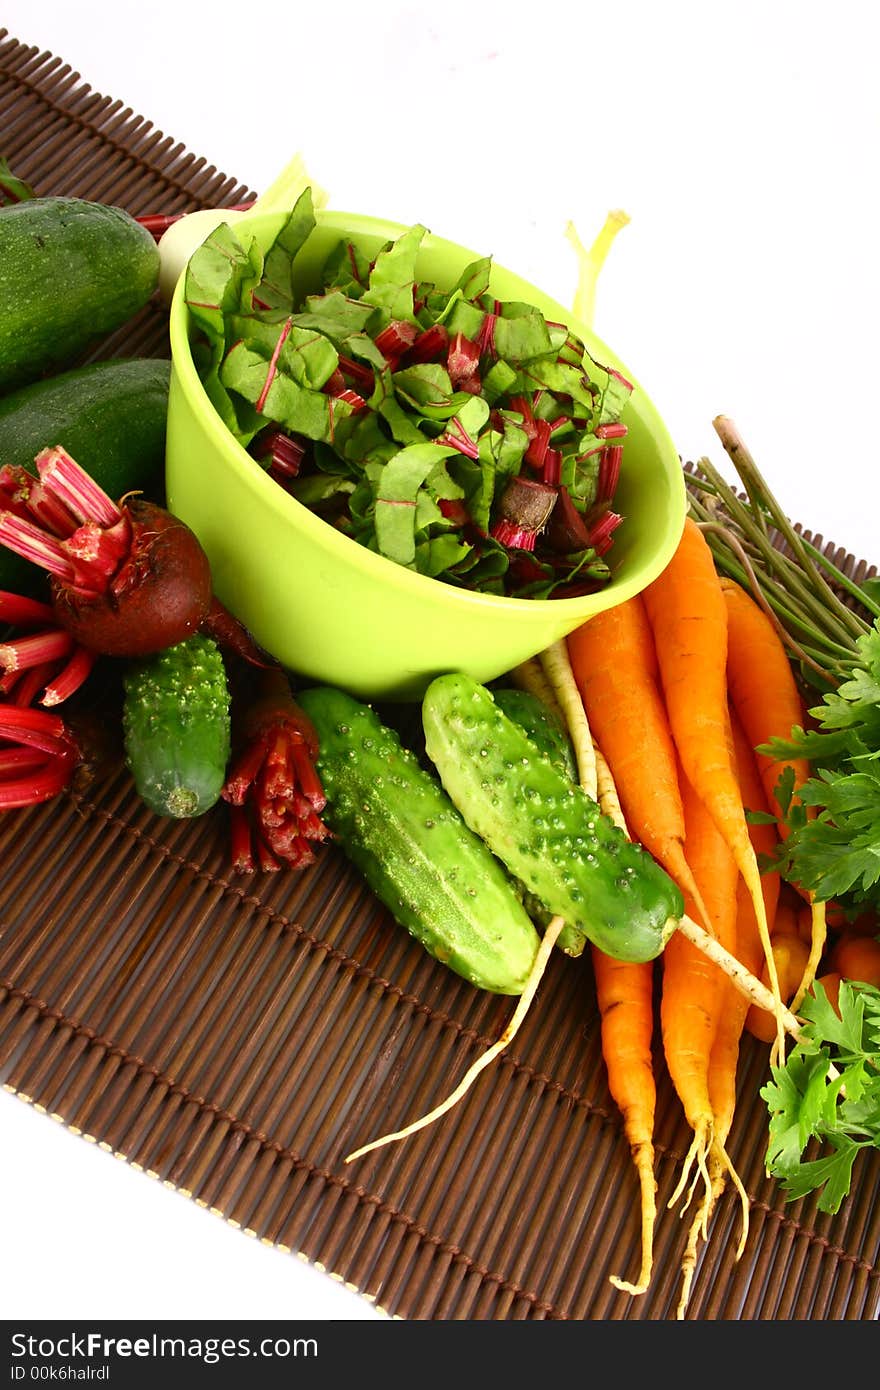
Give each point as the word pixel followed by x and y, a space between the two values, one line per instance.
pixel 38 784
pixel 35 649
pixel 32 543
pixel 71 676
pixel 73 486
pixel 20 611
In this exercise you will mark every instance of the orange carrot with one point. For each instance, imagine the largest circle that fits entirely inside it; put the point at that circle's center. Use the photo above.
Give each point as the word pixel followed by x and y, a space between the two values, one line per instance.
pixel 725 1053
pixel 866 924
pixel 857 958
pixel 688 616
pixel 766 697
pixel 764 836
pixel 762 688
pixel 624 992
pixel 734 1006
pixel 615 668
pixel 724 1056
pixel 692 985
pixel 786 922
pixel 790 954
pixel 625 996
pixel 691 1009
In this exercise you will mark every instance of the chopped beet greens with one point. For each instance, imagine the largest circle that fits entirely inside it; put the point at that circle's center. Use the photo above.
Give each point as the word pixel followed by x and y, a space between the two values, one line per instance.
pixel 469 439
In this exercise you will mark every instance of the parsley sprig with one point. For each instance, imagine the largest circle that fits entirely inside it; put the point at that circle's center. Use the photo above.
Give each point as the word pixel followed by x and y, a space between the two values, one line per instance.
pixel 827 1096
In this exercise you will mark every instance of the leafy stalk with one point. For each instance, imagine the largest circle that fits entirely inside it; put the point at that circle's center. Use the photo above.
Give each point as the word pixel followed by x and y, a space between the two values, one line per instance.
pixel 827 1096
pixel 754 542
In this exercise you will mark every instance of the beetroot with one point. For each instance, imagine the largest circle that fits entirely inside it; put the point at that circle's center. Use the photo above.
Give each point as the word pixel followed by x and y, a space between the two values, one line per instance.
pixel 126 579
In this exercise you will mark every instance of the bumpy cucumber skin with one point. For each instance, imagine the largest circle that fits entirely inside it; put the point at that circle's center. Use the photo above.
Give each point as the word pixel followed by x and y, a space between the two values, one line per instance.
pixel 546 829
pixel 541 725
pixel 110 416
pixel 176 726
pixel 71 271
pixel 399 828
pixel 550 738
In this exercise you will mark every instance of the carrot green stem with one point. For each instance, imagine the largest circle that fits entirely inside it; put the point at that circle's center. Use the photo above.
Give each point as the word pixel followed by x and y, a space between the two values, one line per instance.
pixel 756 486
pixel 852 588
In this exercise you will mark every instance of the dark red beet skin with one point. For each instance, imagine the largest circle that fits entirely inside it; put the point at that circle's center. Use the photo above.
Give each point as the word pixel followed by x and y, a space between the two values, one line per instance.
pixel 160 595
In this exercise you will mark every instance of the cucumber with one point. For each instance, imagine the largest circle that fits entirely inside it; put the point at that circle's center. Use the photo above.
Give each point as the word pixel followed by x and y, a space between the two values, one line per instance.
pixel 541 725
pixel 110 416
pixel 545 828
pixel 71 271
pixel 551 739
pixel 176 727
pixel 396 824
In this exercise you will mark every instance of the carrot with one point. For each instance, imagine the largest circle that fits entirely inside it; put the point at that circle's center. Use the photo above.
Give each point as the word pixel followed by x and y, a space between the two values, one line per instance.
pixel 763 835
pixel 625 996
pixel 615 668
pixel 764 693
pixel 790 954
pixel 725 1053
pixel 732 1007
pixel 692 985
pixel 688 616
pixel 857 958
pixel 867 923
pixel 762 689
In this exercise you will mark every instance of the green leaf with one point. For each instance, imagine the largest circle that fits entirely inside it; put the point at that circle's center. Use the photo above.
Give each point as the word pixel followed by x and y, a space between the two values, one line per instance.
pixel 872 589
pixel 396 495
pixel 521 333
pixel 346 268
pixel 12 188
pixel 827 1093
pixel 615 395
pixel 298 408
pixel 277 285
pixel 441 553
pixel 562 379
pixel 474 279
pixel 466 319
pixel 220 277
pixel 393 275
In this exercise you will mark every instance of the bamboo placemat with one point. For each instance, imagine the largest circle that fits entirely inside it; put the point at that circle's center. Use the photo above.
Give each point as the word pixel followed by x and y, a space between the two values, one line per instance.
pixel 237 1036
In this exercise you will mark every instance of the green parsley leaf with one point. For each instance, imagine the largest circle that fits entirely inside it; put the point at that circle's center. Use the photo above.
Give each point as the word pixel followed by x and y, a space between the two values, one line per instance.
pixel 826 1096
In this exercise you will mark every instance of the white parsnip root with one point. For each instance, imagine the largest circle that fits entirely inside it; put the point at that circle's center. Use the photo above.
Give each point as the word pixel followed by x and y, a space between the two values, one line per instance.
pixel 548 941
pixel 747 983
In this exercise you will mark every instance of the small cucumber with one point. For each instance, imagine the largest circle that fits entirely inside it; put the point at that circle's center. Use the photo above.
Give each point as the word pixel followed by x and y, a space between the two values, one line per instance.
pixel 550 738
pixel 71 271
pixel 548 832
pixel 398 826
pixel 541 725
pixel 176 726
pixel 110 416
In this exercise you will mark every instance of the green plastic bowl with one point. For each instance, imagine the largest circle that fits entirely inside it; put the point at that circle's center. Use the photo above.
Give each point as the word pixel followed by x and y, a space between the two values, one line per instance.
pixel 333 611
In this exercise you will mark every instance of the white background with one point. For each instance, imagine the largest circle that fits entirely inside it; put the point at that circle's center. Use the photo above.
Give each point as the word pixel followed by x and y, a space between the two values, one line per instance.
pixel 741 139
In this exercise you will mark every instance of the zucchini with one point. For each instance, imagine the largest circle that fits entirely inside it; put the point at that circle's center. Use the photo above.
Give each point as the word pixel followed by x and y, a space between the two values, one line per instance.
pixel 397 825
pixel 176 727
pixel 110 416
pixel 71 271
pixel 545 828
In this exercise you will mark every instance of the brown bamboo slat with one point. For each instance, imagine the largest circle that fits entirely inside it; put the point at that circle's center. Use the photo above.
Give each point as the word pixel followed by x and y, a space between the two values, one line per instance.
pixel 237 1036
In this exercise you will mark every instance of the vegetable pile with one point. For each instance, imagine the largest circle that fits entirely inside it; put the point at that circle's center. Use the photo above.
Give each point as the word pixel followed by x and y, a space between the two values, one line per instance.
pixel 682 795
pixel 469 439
